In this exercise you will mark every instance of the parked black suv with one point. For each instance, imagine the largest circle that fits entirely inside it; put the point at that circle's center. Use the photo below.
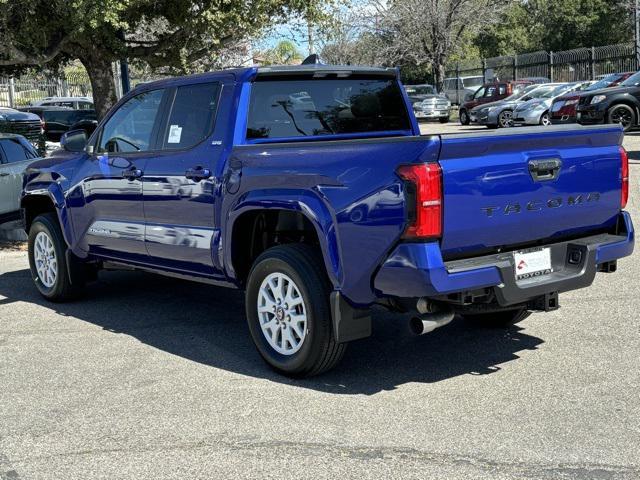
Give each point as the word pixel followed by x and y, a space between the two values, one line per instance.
pixel 22 123
pixel 619 104
pixel 58 120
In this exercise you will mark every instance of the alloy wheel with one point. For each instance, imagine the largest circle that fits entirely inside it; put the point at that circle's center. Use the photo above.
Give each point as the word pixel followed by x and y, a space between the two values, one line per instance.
pixel 282 313
pixel 622 116
pixel 44 255
pixel 506 119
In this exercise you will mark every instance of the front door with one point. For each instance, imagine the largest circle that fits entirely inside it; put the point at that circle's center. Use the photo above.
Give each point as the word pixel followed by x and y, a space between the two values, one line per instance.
pixel 181 183
pixel 106 201
pixel 16 154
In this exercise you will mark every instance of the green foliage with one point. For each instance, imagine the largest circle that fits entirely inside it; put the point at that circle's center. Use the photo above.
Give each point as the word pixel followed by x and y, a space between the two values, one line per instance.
pixel 284 53
pixel 530 25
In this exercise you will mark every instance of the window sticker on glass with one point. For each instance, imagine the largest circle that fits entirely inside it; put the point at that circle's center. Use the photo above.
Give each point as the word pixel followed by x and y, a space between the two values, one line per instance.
pixel 175 132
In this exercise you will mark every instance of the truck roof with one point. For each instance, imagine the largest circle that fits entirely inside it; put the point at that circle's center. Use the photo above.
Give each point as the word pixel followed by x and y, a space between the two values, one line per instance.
pixel 248 73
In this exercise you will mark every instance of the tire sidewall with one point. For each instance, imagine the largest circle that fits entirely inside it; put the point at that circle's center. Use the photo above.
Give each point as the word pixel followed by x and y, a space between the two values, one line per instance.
pixel 464 117
pixel 43 224
pixel 310 347
pixel 624 107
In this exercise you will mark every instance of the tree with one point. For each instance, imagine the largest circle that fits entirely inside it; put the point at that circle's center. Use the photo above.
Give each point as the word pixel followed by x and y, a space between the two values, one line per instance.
pixel 284 53
pixel 160 33
pixel 418 32
pixel 554 25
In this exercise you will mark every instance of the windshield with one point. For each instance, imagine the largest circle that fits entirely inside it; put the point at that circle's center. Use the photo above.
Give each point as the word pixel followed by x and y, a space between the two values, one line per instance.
pixel 471 82
pixel 632 81
pixel 420 90
pixel 522 93
pixel 604 82
pixel 555 91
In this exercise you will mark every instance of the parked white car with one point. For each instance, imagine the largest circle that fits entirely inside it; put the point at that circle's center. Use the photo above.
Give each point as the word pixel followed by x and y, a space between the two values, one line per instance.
pixel 536 111
pixel 456 89
pixel 77 103
pixel 16 153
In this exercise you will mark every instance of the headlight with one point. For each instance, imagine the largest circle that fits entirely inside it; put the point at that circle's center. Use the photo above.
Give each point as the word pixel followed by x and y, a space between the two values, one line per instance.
pixel 598 99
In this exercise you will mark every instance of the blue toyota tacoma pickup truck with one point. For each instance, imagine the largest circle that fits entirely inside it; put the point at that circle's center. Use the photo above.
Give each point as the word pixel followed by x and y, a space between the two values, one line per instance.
pixel 311 188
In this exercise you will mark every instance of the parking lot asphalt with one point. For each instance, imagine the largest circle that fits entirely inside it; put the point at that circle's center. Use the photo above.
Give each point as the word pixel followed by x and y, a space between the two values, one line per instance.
pixel 154 378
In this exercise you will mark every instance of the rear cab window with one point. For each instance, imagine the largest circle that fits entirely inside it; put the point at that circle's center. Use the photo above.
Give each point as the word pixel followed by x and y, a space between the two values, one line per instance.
pixel 14 150
pixel 311 107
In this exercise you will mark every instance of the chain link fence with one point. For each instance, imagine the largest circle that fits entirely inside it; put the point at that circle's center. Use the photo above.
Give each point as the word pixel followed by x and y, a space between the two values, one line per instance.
pixel 566 66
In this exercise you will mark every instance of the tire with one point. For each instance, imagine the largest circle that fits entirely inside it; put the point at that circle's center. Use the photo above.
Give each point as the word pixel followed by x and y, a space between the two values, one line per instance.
pixel 505 119
pixel 47 261
pixel 444 119
pixel 500 319
pixel 545 119
pixel 622 114
pixel 309 348
pixel 464 117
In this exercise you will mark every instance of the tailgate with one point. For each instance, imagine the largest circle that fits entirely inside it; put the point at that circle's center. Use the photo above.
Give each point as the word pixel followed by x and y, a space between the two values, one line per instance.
pixel 518 187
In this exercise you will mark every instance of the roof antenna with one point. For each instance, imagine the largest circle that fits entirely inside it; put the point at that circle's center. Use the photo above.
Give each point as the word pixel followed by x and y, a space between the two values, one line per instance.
pixel 313 59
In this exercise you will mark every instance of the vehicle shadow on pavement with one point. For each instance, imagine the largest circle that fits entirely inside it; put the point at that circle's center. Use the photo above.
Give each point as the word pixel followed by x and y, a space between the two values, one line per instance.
pixel 207 325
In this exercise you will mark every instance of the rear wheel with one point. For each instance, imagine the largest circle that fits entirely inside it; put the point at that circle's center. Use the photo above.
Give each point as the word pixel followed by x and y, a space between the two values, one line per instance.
pixel 47 261
pixel 498 319
pixel 505 119
pixel 287 305
pixel 622 114
pixel 464 117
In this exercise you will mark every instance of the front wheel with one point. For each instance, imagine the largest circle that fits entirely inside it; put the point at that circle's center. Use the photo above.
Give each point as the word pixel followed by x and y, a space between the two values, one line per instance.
pixel 505 119
pixel 464 117
pixel 47 260
pixel 287 305
pixel 444 119
pixel 622 114
pixel 545 119
pixel 500 319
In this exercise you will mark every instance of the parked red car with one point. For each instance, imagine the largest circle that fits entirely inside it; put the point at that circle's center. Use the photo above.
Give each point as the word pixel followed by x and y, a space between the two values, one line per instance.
pixel 563 109
pixel 490 92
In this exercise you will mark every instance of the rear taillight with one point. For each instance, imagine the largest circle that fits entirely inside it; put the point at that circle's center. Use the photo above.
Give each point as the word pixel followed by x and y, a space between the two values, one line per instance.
pixel 424 197
pixel 624 170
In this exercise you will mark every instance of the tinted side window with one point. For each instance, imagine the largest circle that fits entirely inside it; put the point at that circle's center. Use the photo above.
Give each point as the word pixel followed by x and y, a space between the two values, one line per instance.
pixel 15 151
pixel 192 115
pixel 130 128
pixel 298 108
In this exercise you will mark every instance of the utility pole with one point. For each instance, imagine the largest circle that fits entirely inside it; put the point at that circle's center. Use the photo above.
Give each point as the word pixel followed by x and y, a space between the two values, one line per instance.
pixel 310 36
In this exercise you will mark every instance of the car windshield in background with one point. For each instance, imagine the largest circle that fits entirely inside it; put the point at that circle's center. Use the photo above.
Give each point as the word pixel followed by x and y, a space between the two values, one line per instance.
pixel 519 94
pixel 424 90
pixel 605 82
pixel 632 81
pixel 555 91
pixel 473 82
pixel 299 108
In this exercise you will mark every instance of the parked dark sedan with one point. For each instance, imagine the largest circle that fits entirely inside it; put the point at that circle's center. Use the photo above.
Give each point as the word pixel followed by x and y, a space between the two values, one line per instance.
pixel 619 104
pixel 58 120
pixel 563 109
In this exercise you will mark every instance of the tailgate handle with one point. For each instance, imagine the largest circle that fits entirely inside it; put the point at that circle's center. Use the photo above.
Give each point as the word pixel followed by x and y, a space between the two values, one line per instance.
pixel 544 170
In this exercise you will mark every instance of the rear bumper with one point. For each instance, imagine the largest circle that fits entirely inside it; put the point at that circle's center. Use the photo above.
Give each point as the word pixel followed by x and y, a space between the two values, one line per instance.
pixel 417 269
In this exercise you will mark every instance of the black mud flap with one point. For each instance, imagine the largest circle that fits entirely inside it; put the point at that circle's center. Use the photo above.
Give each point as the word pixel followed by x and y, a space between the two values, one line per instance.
pixel 348 323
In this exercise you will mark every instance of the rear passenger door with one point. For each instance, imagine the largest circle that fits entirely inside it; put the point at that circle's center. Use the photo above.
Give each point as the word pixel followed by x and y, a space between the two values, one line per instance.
pixel 181 183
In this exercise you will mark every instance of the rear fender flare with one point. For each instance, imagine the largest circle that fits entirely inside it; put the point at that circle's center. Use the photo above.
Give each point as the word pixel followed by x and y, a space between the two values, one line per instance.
pixel 307 203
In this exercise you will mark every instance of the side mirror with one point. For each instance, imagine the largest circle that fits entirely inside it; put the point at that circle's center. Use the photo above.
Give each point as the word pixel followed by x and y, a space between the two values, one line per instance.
pixel 468 97
pixel 74 140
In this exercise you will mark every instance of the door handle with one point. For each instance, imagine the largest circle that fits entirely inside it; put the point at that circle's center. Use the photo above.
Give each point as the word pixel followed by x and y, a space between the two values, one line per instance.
pixel 545 169
pixel 132 173
pixel 198 173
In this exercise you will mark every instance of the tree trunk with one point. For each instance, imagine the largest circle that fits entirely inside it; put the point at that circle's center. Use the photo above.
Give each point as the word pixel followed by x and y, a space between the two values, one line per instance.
pixel 103 84
pixel 439 73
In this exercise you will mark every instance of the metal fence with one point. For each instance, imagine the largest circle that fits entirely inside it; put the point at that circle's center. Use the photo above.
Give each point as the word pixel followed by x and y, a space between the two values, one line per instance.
pixel 20 91
pixel 566 66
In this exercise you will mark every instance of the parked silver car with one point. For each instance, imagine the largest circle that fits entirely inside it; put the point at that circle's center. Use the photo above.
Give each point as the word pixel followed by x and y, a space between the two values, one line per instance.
pixel 16 153
pixel 536 111
pixel 500 114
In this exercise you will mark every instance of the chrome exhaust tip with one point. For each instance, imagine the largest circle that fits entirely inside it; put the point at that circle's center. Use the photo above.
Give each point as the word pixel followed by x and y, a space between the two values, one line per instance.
pixel 429 322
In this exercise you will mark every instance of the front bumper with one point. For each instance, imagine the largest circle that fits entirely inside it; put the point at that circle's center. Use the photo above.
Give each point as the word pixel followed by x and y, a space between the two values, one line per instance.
pixel 563 119
pixel 416 270
pixel 435 113
pixel 527 117
pixel 591 114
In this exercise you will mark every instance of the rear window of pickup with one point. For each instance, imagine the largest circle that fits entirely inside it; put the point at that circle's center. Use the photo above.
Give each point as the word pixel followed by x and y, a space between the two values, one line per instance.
pixel 315 107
